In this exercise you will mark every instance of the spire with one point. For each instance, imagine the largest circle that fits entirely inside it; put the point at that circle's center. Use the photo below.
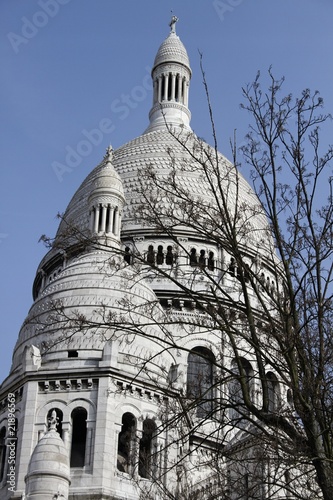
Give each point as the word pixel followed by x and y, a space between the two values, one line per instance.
pixel 171 76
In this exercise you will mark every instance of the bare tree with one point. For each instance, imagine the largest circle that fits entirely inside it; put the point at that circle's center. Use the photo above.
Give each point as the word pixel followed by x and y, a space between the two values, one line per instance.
pixel 255 417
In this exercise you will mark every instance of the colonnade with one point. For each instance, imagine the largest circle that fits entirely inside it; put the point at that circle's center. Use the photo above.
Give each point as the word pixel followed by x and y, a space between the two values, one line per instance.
pixel 171 87
pixel 105 218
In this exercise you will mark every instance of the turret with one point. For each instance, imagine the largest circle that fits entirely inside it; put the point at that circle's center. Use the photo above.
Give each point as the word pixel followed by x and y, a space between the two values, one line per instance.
pixel 171 76
pixel 48 476
pixel 106 202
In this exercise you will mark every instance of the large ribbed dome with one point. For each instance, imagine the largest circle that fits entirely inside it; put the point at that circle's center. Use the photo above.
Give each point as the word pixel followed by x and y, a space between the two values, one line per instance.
pixel 153 149
pixel 116 187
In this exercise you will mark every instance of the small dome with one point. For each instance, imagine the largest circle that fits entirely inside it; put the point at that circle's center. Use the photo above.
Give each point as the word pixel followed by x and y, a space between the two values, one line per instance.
pixel 103 185
pixel 172 50
pixel 48 471
pixel 50 456
pixel 108 180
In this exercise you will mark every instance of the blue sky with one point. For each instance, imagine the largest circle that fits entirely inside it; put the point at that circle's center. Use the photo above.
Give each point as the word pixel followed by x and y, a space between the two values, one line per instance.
pixel 68 66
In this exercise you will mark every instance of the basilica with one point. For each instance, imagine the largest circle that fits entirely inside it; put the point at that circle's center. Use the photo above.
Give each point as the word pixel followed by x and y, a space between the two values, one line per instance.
pixel 116 389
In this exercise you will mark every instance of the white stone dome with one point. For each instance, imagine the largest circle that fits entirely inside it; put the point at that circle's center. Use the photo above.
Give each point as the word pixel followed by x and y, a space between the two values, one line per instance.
pixel 172 50
pixel 48 472
pixel 50 456
pixel 162 151
pixel 108 181
pixel 153 148
pixel 120 177
pixel 92 284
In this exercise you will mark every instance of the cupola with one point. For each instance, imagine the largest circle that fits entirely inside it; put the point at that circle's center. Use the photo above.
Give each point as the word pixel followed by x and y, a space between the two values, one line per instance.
pixel 171 76
pixel 106 202
pixel 48 474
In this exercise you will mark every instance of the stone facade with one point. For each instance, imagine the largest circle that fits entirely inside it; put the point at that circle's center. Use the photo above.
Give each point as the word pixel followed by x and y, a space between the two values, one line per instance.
pixel 107 404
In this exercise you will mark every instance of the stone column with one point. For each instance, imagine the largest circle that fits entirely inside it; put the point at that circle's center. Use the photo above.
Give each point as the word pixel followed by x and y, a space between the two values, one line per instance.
pixel 110 224
pixel 97 210
pixel 180 93
pixel 166 85
pixel 104 209
pixel 173 86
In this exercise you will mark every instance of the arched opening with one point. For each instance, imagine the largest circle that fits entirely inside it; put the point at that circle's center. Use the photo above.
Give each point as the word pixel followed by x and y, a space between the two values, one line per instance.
pixel 193 257
pixel 59 419
pixel 202 259
pixel 115 221
pixel 169 258
pixel 169 87
pixel 79 437
pixel 272 392
pixel 100 219
pixel 107 219
pixel 146 448
pixel 126 442
pixel 151 255
pixel 200 379
pixel 163 81
pixel 160 255
pixel 177 88
pixel 211 261
pixel 240 386
pixel 127 255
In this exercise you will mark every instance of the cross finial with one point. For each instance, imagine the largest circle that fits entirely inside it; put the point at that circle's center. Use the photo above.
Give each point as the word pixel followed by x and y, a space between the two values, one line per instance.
pixel 172 24
pixel 108 154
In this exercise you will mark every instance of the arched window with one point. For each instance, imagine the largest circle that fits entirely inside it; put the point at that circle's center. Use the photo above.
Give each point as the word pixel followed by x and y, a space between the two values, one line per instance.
pixel 126 442
pixel 272 392
pixel 2 452
pixel 238 408
pixel 160 255
pixel 151 255
pixel 146 449
pixel 202 259
pixel 127 255
pixel 59 419
pixel 193 257
pixel 200 379
pixel 169 258
pixel 211 262
pixel 79 437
